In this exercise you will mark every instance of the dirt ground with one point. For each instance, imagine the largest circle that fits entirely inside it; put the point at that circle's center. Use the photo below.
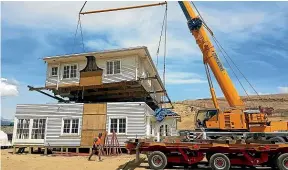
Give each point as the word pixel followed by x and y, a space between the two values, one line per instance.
pixel 40 162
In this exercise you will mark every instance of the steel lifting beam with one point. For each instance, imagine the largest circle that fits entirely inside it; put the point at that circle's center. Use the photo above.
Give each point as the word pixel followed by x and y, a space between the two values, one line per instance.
pixel 123 8
pixel 54 97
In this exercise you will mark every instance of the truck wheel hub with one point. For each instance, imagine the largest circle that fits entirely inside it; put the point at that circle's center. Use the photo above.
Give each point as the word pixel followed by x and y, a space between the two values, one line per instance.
pixel 285 163
pixel 157 160
pixel 220 163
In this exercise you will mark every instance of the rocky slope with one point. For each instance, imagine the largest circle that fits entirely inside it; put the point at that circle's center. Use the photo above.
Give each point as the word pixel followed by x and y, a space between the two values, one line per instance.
pixel 187 108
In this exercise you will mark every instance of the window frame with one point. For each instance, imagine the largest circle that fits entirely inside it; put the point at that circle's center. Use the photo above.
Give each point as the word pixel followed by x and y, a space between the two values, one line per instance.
pixel 51 71
pixel 30 129
pixel 118 117
pixel 70 127
pixel 69 74
pixel 113 66
pixel 23 128
pixel 165 129
pixel 38 127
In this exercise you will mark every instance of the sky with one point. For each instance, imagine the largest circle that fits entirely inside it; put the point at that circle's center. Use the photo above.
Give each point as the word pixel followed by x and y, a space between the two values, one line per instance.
pixel 254 34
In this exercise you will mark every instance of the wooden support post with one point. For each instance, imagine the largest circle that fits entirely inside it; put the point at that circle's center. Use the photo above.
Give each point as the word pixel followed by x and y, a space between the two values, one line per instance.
pixel 61 150
pixel 29 150
pixel 90 150
pixel 14 150
pixel 66 149
pixel 77 150
pixel 45 151
pixel 137 154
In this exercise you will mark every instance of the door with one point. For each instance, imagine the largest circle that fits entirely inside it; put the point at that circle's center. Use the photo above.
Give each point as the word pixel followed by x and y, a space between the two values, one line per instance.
pixel 93 123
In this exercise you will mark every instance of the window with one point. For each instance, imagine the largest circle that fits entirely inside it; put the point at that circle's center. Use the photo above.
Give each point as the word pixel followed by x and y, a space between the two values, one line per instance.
pixel 54 71
pixel 70 71
pixel 118 125
pixel 23 129
pixel 165 130
pixel 38 129
pixel 70 126
pixel 66 71
pixel 73 71
pixel 113 67
pixel 151 129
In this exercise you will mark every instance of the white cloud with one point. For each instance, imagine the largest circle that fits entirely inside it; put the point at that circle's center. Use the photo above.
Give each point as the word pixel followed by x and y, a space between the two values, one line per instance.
pixel 8 87
pixel 183 78
pixel 283 89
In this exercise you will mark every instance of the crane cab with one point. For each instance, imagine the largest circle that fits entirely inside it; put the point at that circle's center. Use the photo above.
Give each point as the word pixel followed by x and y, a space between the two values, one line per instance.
pixel 215 119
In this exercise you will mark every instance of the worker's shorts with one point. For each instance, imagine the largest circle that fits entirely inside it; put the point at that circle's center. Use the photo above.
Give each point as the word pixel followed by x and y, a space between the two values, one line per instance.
pixel 96 147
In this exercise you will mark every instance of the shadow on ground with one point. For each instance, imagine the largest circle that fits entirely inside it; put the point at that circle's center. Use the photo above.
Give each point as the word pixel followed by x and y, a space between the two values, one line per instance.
pixel 132 165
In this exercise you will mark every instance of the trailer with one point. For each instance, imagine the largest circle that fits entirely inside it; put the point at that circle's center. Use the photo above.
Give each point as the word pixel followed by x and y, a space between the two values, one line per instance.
pixel 220 156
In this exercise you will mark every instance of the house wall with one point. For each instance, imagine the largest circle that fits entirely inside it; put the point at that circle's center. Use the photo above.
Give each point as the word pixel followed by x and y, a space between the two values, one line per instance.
pixel 128 71
pixel 135 115
pixel 54 113
pixel 138 117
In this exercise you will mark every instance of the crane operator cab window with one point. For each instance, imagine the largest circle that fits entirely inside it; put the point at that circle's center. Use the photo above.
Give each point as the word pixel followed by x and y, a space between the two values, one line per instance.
pixel 203 116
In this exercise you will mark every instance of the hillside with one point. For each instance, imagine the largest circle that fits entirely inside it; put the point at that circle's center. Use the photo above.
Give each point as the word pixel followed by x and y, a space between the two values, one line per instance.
pixel 187 108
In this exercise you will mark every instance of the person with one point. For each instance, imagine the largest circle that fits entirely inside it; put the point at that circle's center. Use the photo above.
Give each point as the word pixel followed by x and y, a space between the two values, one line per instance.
pixel 96 147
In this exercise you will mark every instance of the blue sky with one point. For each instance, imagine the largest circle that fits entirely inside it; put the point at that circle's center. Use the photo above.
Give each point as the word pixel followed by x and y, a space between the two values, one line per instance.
pixel 255 34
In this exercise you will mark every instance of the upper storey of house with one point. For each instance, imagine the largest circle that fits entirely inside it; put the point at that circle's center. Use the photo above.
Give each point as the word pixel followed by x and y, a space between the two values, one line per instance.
pixel 127 74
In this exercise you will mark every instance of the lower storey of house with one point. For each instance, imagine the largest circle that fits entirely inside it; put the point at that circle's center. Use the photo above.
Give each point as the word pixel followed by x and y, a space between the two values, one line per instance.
pixel 76 125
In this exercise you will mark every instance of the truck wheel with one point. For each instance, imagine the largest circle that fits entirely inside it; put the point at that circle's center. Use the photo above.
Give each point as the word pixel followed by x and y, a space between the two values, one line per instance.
pixel 282 161
pixel 277 139
pixel 219 161
pixel 157 160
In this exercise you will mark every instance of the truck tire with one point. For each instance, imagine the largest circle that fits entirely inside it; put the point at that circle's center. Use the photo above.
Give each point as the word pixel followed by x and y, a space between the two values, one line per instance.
pixel 219 161
pixel 282 161
pixel 157 160
pixel 277 139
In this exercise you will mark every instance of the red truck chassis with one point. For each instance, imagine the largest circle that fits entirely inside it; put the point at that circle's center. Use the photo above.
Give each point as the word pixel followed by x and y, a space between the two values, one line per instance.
pixel 220 156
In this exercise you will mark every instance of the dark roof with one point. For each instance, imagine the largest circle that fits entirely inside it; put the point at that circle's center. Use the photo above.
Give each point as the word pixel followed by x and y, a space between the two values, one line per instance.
pixel 7 129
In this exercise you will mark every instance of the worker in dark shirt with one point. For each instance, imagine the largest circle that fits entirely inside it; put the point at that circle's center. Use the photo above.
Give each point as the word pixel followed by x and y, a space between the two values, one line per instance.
pixel 96 147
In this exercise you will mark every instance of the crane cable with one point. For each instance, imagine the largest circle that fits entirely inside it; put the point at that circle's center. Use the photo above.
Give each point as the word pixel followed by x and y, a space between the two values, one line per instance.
pixel 165 47
pixel 160 39
pixel 163 28
pixel 79 25
pixel 220 47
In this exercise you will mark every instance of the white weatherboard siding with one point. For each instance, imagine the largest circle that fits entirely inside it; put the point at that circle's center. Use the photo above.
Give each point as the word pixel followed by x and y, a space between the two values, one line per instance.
pixel 135 122
pixel 54 113
pixel 128 71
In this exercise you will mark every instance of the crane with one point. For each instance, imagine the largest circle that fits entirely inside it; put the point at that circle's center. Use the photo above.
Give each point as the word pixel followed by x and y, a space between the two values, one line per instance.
pixel 235 119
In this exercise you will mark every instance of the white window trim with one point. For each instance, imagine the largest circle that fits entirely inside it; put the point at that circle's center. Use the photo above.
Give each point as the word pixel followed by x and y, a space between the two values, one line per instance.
pixel 117 117
pixel 50 71
pixel 77 71
pixel 30 129
pixel 106 68
pixel 70 134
